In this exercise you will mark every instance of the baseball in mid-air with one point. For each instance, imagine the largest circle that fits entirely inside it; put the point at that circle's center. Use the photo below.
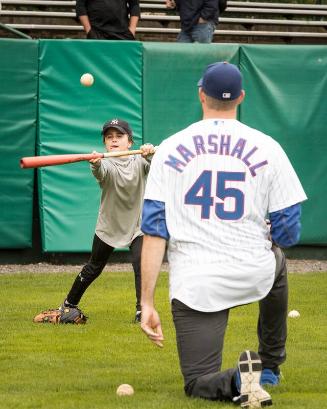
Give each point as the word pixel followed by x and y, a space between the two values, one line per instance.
pixel 125 390
pixel 87 79
pixel 294 314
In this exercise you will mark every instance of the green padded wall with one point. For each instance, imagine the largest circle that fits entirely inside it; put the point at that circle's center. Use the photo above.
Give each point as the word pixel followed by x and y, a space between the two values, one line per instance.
pixel 286 88
pixel 70 121
pixel 153 86
pixel 18 107
pixel 170 75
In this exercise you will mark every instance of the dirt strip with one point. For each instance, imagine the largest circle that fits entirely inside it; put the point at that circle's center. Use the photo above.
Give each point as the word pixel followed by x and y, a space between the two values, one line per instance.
pixel 294 266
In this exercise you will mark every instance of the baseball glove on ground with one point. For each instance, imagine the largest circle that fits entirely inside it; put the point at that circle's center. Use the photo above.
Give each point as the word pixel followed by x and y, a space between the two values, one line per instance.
pixel 64 316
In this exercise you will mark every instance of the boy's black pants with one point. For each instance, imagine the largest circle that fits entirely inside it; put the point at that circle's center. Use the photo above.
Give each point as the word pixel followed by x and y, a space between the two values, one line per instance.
pixel 98 260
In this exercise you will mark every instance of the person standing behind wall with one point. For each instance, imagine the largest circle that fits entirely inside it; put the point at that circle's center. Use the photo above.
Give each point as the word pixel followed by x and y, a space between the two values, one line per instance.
pixel 199 19
pixel 108 19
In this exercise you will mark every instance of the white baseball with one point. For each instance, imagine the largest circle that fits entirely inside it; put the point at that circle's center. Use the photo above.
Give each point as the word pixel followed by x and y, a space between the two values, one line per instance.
pixel 87 80
pixel 294 314
pixel 125 390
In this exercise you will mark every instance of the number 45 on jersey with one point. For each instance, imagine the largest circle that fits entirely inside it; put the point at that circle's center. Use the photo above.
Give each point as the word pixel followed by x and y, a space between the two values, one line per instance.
pixel 200 195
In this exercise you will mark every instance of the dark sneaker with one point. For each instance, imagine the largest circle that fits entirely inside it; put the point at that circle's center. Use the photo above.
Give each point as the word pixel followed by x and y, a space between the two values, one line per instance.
pixel 252 395
pixel 137 318
pixel 269 377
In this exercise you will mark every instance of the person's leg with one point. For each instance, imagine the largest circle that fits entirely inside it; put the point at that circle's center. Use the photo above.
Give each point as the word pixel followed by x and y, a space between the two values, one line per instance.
pixel 99 257
pixel 136 249
pixel 203 32
pixel 200 338
pixel 272 323
pixel 184 37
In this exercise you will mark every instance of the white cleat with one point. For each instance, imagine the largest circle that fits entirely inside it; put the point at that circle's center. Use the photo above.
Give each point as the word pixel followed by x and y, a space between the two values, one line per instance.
pixel 252 393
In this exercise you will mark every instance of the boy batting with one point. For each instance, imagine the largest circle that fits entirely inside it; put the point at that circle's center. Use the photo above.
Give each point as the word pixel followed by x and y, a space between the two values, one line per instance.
pixel 122 182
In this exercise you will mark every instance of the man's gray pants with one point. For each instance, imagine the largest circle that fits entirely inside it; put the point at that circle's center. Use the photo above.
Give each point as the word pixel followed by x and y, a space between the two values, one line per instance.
pixel 200 339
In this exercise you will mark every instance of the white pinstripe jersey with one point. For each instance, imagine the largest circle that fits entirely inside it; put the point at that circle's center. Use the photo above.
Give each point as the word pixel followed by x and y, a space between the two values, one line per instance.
pixel 218 180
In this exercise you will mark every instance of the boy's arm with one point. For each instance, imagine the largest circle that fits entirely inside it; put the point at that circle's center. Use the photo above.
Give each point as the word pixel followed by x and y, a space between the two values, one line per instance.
pixel 98 169
pixel 148 152
pixel 147 156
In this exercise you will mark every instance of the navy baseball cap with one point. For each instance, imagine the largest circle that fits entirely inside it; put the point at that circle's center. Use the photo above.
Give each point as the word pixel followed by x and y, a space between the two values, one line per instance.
pixel 118 124
pixel 222 81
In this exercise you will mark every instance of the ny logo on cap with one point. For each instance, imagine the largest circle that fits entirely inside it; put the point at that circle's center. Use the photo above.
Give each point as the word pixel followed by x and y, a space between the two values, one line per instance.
pixel 114 122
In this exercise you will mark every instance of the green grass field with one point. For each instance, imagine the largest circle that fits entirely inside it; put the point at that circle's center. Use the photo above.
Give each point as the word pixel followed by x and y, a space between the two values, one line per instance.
pixel 67 367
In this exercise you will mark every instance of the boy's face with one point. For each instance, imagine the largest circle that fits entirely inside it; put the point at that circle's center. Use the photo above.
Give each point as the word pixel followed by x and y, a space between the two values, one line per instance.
pixel 116 140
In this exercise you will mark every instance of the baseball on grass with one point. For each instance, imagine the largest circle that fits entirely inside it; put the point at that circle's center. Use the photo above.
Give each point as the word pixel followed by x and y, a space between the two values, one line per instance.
pixel 294 314
pixel 125 390
pixel 87 80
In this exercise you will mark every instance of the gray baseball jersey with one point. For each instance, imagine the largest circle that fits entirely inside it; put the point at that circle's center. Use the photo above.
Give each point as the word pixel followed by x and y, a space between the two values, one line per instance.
pixel 218 180
pixel 122 181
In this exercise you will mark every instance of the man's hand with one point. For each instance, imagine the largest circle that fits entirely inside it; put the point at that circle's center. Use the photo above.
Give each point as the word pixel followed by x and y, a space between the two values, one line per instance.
pixel 151 326
pixel 133 24
pixel 147 149
pixel 170 4
pixel 85 23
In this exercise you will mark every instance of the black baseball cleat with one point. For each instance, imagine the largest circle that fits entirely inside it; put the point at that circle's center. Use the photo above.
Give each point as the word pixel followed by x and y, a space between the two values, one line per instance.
pixel 137 318
pixel 252 394
pixel 66 304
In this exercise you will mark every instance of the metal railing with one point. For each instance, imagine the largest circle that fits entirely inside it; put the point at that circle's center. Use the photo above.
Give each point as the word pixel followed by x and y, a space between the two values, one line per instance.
pixel 165 18
pixel 157 6
pixel 246 33
pixel 14 31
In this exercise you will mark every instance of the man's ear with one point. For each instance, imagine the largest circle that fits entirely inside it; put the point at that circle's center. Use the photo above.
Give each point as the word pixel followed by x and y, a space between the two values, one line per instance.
pixel 201 96
pixel 241 97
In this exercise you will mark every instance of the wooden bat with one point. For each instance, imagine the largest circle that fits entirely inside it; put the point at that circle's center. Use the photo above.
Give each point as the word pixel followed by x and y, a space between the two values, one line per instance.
pixel 51 160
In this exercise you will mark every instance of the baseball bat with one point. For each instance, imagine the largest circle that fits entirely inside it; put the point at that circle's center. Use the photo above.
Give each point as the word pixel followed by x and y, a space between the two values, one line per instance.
pixel 52 160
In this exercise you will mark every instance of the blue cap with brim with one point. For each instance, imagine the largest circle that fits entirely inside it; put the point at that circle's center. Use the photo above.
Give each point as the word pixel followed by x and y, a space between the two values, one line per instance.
pixel 222 81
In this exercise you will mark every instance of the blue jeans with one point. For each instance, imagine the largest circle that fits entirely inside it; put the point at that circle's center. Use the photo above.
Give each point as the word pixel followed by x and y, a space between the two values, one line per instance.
pixel 201 33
